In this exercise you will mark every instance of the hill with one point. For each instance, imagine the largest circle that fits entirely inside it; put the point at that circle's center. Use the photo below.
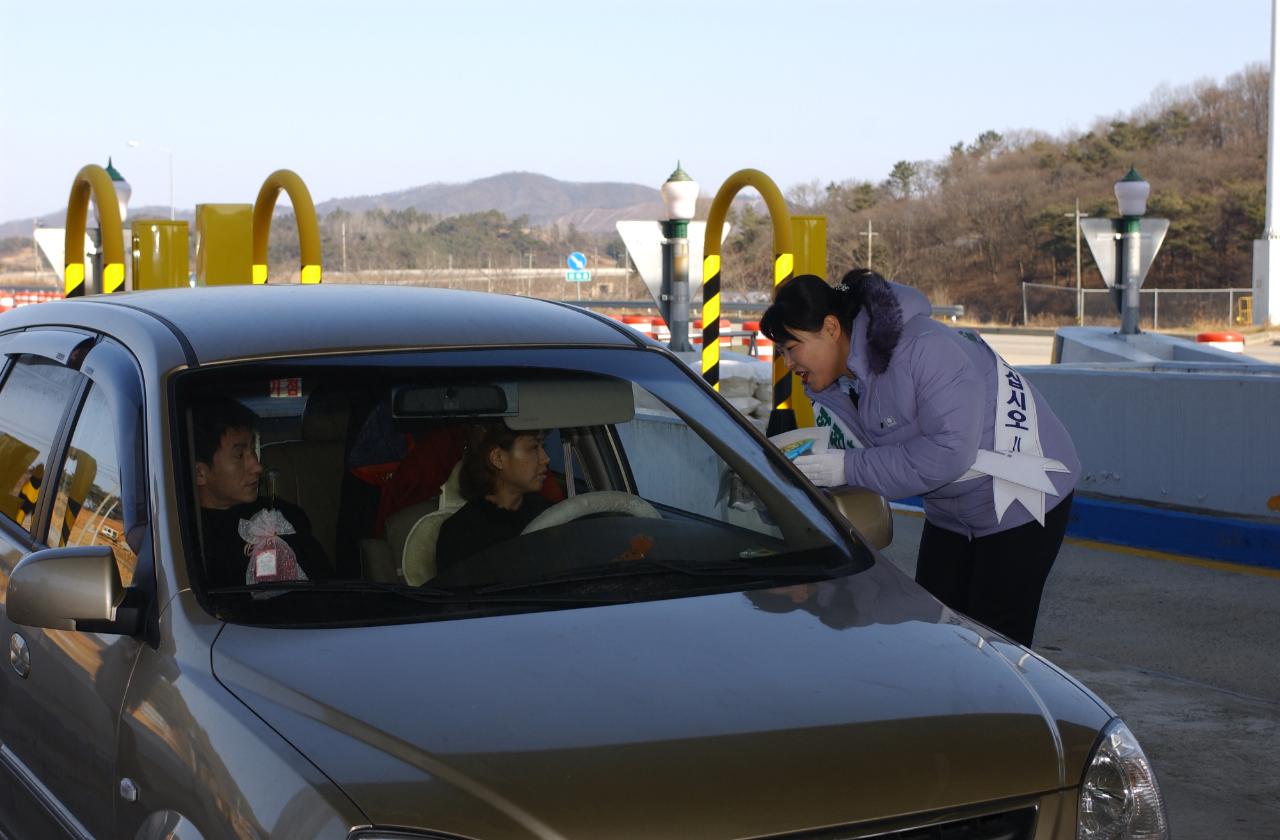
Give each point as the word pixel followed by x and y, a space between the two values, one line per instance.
pixel 971 227
pixel 996 212
pixel 540 199
pixel 543 201
pixel 58 218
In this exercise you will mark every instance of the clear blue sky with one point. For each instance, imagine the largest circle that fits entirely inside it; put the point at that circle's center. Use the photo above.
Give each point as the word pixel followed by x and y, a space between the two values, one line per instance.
pixel 376 96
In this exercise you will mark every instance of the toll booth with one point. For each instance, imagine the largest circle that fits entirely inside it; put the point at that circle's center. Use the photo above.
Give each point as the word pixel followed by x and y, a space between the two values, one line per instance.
pixel 224 244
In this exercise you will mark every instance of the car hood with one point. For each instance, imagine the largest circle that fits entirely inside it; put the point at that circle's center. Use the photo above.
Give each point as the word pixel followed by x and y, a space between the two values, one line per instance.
pixel 721 715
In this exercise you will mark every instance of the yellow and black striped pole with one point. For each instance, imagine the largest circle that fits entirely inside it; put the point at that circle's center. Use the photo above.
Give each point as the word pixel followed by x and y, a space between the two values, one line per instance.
pixel 81 482
pixel 93 182
pixel 304 212
pixel 782 418
pixel 29 495
pixel 711 320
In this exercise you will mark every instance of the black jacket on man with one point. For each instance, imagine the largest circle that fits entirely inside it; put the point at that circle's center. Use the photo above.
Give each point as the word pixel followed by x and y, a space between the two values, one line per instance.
pixel 225 560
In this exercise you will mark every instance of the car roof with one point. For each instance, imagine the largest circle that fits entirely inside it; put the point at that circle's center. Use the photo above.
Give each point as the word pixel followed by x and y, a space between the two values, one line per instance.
pixel 240 322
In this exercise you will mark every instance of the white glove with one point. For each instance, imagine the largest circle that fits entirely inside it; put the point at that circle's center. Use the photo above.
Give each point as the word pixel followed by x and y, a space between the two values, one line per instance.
pixel 825 469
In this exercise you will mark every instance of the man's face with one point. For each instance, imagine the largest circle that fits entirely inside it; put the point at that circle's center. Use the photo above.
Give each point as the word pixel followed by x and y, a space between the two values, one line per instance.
pixel 232 478
pixel 524 468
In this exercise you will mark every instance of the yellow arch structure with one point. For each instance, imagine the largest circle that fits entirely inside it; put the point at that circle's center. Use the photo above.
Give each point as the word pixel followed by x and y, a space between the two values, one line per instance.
pixel 93 182
pixel 304 211
pixel 783 267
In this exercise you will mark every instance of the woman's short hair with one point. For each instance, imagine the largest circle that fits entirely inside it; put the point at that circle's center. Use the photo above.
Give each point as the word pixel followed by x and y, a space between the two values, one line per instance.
pixel 477 476
pixel 803 302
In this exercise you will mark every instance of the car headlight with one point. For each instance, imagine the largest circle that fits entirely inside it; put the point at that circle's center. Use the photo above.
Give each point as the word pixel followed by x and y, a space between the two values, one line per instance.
pixel 1119 798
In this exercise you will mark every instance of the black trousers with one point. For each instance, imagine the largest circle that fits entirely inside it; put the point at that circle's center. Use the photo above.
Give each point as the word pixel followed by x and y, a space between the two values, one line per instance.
pixel 997 579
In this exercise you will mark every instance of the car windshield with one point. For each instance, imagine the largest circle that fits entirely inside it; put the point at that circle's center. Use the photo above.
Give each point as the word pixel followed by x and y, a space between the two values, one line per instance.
pixel 442 484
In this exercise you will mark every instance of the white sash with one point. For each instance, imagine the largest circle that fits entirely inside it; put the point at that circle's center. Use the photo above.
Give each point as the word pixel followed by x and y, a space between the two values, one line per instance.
pixel 1017 465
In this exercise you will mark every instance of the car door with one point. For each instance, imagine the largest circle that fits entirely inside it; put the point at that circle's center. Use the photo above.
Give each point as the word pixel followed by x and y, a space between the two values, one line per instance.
pixel 63 689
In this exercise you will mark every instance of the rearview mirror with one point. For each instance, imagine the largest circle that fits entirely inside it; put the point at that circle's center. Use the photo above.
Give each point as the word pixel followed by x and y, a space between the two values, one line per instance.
pixel 525 405
pixel 867 512
pixel 74 588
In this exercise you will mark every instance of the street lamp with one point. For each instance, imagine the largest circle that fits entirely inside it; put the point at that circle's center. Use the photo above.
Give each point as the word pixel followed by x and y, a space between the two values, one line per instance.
pixel 1123 248
pixel 680 197
pixel 1131 194
pixel 123 192
pixel 136 144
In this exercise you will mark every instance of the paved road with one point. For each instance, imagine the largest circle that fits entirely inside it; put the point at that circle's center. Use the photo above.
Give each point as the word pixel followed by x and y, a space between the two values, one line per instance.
pixel 1266 351
pixel 1020 349
pixel 1186 655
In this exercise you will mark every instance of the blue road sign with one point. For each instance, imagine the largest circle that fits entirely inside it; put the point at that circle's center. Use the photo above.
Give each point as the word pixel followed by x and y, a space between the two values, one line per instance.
pixel 577 261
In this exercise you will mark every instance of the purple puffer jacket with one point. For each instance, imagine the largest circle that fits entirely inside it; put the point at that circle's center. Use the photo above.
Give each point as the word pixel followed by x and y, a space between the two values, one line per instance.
pixel 926 406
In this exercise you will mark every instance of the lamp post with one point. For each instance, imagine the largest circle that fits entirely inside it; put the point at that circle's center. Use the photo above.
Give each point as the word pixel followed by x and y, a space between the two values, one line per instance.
pixel 680 197
pixel 123 191
pixel 136 144
pixel 1131 194
pixel 1123 248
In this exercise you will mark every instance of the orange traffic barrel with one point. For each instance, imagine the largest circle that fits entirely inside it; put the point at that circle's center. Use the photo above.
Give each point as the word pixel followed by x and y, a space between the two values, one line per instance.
pixel 1232 342
pixel 640 323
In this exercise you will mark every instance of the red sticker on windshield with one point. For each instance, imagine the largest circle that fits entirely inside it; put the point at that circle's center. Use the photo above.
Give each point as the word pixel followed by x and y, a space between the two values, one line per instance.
pixel 286 388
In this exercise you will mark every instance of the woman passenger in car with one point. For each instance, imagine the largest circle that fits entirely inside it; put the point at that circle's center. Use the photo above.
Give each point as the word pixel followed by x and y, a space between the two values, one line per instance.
pixel 502 473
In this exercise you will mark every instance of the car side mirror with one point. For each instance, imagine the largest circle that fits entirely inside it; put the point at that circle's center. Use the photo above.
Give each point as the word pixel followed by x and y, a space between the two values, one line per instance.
pixel 867 512
pixel 73 588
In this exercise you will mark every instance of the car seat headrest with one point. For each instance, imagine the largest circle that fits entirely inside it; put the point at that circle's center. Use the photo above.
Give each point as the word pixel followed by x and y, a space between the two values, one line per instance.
pixel 451 490
pixel 325 417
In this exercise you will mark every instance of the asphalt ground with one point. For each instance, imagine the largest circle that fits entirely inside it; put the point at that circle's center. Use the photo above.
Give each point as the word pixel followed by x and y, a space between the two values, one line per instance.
pixel 1185 651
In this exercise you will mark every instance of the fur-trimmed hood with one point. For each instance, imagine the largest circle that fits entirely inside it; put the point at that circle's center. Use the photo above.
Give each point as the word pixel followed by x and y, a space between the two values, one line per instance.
pixel 886 306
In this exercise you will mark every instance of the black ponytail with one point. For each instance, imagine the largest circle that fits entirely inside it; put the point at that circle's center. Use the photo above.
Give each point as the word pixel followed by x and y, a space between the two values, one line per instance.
pixel 804 301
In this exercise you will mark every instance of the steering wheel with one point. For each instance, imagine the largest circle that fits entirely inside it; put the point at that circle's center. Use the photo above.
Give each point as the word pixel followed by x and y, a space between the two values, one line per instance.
pixel 587 504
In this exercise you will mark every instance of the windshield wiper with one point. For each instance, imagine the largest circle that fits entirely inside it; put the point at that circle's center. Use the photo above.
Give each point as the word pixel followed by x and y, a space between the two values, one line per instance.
pixel 737 569
pixel 421 594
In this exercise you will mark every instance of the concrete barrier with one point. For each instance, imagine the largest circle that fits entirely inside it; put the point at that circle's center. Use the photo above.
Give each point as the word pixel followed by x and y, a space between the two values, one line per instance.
pixel 1192 436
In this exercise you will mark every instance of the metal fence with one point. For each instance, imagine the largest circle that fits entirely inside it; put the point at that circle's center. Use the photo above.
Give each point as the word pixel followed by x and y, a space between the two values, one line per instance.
pixel 1168 308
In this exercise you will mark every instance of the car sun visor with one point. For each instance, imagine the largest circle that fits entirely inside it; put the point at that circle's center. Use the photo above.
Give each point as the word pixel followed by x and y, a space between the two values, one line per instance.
pixel 559 404
pixel 534 404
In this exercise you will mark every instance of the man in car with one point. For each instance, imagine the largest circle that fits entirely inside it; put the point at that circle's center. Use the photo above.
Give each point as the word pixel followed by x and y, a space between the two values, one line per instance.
pixel 226 477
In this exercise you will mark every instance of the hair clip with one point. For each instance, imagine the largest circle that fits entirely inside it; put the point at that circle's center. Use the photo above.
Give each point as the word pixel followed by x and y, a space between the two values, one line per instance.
pixel 842 288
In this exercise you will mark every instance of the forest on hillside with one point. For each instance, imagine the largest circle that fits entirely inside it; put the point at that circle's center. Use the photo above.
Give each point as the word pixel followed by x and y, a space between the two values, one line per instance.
pixel 997 211
pixel 969 228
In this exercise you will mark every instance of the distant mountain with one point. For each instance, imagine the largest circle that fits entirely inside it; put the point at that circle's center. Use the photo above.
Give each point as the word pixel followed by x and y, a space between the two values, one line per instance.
pixel 22 227
pixel 590 206
pixel 545 201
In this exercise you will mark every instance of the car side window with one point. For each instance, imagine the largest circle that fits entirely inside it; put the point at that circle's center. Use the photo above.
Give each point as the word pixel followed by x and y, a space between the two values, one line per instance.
pixel 32 402
pixel 88 509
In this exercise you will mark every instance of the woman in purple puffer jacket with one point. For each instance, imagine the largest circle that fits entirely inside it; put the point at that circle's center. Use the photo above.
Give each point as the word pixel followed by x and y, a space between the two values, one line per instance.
pixel 918 409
